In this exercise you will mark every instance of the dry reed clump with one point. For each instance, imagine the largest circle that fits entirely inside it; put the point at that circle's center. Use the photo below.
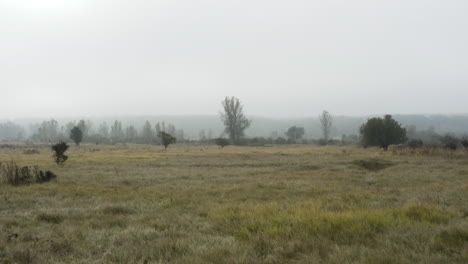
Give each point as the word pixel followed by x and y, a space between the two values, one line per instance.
pixel 16 175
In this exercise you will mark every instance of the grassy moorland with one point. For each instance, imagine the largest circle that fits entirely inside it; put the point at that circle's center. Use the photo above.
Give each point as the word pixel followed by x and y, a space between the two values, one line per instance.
pixel 304 204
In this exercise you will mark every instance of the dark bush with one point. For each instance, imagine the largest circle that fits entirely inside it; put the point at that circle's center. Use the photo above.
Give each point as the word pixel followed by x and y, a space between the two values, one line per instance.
pixel 42 177
pixel 16 175
pixel 281 141
pixel 450 142
pixel 464 141
pixel 59 152
pixel 222 142
pixel 415 143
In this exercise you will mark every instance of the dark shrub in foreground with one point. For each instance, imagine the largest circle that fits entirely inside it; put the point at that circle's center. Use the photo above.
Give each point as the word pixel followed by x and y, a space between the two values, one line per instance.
pixel 59 152
pixel 16 175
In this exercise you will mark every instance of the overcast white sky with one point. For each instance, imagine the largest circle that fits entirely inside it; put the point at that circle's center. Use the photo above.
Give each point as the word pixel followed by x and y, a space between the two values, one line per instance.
pixel 281 58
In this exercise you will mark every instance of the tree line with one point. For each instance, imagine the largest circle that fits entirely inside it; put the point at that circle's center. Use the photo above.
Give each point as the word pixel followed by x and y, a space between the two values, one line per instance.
pixel 374 132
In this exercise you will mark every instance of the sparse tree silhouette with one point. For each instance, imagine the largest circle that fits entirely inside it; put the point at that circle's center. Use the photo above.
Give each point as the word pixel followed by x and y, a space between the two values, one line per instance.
pixel 222 142
pixel 76 135
pixel 116 133
pixel 234 120
pixel 382 132
pixel 326 123
pixel 147 132
pixel 202 135
pixel 295 133
pixel 131 133
pixel 59 152
pixel 166 139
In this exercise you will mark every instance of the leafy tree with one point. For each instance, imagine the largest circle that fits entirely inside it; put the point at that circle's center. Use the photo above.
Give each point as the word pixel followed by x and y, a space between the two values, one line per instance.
pixel 326 122
pixel 222 142
pixel 76 135
pixel 295 133
pixel 234 120
pixel 166 139
pixel 59 152
pixel 382 132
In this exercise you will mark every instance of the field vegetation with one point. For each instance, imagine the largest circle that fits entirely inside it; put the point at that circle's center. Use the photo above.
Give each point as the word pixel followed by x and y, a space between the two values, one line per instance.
pixel 203 204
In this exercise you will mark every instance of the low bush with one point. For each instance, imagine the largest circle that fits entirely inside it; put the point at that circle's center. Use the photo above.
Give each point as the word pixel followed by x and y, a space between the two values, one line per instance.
pixel 16 175
pixel 464 141
pixel 415 143
pixel 450 142
pixel 222 142
pixel 59 152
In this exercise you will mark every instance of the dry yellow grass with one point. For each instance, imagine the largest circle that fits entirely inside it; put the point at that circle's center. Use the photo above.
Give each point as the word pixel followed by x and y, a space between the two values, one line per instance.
pixel 294 204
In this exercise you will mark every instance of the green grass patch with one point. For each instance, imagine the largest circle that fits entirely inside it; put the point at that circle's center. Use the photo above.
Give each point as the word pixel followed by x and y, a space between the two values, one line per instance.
pixel 427 213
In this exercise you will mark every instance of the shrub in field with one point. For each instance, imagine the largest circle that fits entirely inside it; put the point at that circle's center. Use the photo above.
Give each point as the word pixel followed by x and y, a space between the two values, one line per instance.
pixel 415 143
pixel 450 142
pixel 16 175
pixel 76 135
pixel 382 132
pixel 42 176
pixel 222 142
pixel 464 141
pixel 59 152
pixel 166 139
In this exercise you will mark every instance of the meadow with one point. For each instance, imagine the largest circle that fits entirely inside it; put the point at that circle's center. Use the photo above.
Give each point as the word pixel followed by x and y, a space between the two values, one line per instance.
pixel 202 204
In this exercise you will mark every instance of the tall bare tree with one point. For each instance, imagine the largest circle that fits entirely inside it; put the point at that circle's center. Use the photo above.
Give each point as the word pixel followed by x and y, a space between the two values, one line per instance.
pixel 326 122
pixel 234 120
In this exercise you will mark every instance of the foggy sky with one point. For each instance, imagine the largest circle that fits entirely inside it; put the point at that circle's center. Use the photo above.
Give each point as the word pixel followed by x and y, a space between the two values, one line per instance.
pixel 281 58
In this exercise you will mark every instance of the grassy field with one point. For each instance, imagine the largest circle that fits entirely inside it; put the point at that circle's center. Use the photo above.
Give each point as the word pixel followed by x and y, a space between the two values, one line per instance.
pixel 294 204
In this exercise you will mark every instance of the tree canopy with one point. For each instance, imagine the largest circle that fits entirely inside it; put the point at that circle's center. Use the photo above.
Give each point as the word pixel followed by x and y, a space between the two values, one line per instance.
pixel 382 132
pixel 76 135
pixel 234 119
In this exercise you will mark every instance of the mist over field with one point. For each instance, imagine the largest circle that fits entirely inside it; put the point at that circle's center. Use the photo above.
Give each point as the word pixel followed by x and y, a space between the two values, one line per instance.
pixel 237 132
pixel 282 59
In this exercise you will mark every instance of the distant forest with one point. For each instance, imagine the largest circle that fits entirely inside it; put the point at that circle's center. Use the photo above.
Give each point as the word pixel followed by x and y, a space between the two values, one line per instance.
pixel 209 127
